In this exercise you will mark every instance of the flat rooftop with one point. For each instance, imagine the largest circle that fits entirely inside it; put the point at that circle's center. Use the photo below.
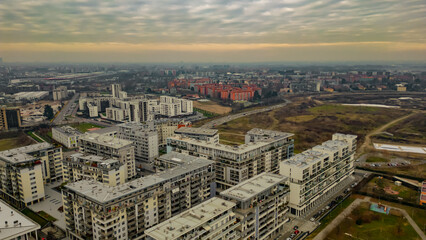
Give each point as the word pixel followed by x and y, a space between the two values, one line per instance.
pixel 268 133
pixel 306 158
pixel 178 157
pixel 18 155
pixel 105 140
pixel 68 130
pixel 92 158
pixel 102 194
pixel 198 131
pixel 193 218
pixel 107 130
pixel 253 186
pixel 17 224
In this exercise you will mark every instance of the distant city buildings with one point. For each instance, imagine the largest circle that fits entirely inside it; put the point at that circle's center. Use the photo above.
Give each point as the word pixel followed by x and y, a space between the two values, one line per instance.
pixel 316 173
pixel 262 152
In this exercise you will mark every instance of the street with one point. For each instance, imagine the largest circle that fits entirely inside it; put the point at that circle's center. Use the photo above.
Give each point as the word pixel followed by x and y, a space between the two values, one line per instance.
pixel 68 110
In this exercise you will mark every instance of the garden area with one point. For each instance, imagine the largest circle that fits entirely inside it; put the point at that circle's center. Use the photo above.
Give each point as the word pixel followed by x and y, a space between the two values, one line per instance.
pixel 85 127
pixel 382 187
pixel 363 223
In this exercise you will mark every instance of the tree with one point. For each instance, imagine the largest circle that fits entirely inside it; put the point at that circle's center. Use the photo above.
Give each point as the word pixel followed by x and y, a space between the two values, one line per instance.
pixel 48 112
pixel 256 96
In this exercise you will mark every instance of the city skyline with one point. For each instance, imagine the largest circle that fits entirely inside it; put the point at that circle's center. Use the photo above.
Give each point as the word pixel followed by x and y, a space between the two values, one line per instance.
pixel 212 31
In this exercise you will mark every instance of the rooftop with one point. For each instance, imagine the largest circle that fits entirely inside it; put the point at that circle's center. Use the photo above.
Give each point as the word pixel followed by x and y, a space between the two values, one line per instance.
pixel 92 159
pixel 21 154
pixel 306 158
pixel 67 130
pixel 193 218
pixel 253 186
pixel 200 131
pixel 105 140
pixel 17 223
pixel 103 194
pixel 269 133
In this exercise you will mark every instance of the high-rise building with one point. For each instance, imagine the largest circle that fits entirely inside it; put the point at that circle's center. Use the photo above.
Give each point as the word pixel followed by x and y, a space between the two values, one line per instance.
pixel 213 219
pixel 115 88
pixel 145 141
pixel 60 93
pixel 205 134
pixel 318 172
pixel 98 211
pixel 25 170
pixel 9 118
pixel 90 167
pixel 110 147
pixel 261 205
pixel 234 164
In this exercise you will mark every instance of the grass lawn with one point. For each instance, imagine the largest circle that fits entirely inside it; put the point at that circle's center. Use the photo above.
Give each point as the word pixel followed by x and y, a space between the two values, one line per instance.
pixel 377 185
pixel 212 107
pixel 313 123
pixel 34 216
pixel 326 220
pixel 206 113
pixel 376 159
pixel 47 216
pixel 31 134
pixel 365 224
pixel 84 127
pixel 417 170
pixel 9 143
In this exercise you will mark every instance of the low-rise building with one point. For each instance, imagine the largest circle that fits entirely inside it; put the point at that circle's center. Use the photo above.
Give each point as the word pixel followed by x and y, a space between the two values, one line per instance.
pixel 213 219
pixel 261 205
pixel 111 147
pixel 205 134
pixel 90 167
pixel 235 164
pixel 95 210
pixel 316 173
pixel 14 225
pixel 66 135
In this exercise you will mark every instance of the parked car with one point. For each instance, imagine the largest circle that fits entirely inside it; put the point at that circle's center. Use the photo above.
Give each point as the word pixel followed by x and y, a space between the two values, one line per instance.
pixel 312 219
pixel 296 232
pixel 296 227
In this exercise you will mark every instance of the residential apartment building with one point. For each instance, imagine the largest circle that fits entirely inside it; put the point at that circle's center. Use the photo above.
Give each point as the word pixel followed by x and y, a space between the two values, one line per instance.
pixel 172 106
pixel 318 172
pixel 66 135
pixel 116 114
pixel 235 164
pixel 9 118
pixel 25 170
pixel 111 147
pixel 90 167
pixel 16 226
pixel 145 141
pixel 115 89
pixel 60 93
pixel 261 205
pixel 166 128
pixel 97 211
pixel 205 134
pixel 213 219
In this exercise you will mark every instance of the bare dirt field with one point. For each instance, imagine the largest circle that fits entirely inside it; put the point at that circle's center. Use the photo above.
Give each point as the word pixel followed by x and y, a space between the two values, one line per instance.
pixel 213 107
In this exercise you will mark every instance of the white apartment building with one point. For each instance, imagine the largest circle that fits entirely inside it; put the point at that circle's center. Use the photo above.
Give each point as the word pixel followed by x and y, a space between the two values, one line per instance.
pixel 90 167
pixel 110 147
pixel 98 211
pixel 93 110
pixel 116 88
pixel 60 93
pixel 213 219
pixel 25 170
pixel 16 226
pixel 172 106
pixel 261 205
pixel 116 114
pixel 166 128
pixel 66 135
pixel 235 164
pixel 316 173
pixel 145 141
pixel 205 134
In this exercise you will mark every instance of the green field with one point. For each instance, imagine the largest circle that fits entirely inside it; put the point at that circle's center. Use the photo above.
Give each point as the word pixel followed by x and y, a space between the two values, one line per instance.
pixel 9 143
pixel 365 224
pixel 84 127
pixel 415 170
pixel 38 139
pixel 376 159
pixel 378 186
pixel 313 123
pixel 331 216
pixel 47 216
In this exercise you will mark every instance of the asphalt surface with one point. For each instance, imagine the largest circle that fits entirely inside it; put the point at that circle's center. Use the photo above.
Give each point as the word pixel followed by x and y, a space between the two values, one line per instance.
pixel 228 118
pixel 68 110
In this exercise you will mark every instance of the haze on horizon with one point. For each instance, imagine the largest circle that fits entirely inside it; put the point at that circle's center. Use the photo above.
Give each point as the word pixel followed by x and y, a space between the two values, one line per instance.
pixel 212 31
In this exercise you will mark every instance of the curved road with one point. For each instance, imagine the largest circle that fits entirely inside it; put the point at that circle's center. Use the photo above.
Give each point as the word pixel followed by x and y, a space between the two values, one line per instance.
pixel 228 118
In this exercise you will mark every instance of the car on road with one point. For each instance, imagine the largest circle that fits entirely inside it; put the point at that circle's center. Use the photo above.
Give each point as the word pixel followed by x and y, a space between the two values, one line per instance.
pixel 295 227
pixel 292 235
pixel 312 219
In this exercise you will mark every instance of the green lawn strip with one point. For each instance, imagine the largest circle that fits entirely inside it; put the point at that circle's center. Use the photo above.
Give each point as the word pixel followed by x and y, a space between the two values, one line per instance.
pixel 332 215
pixel 35 217
pixel 84 127
pixel 47 216
pixel 31 134
pixel 9 143
pixel 376 159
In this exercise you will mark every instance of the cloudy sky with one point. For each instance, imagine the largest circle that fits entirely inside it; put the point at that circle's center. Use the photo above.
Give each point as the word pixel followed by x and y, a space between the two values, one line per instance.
pixel 212 31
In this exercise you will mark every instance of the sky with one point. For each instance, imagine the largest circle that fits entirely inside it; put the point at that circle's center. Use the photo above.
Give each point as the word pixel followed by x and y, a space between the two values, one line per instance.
pixel 212 31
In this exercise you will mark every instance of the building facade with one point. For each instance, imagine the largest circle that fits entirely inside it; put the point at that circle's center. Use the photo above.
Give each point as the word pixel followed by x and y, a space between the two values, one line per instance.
pixel 110 147
pixel 316 173
pixel 261 205
pixel 97 211
pixel 66 135
pixel 10 118
pixel 204 134
pixel 90 167
pixel 235 164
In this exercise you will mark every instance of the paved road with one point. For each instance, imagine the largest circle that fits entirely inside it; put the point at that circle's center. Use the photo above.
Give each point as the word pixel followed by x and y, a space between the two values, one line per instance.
pixel 66 110
pixel 323 234
pixel 228 118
